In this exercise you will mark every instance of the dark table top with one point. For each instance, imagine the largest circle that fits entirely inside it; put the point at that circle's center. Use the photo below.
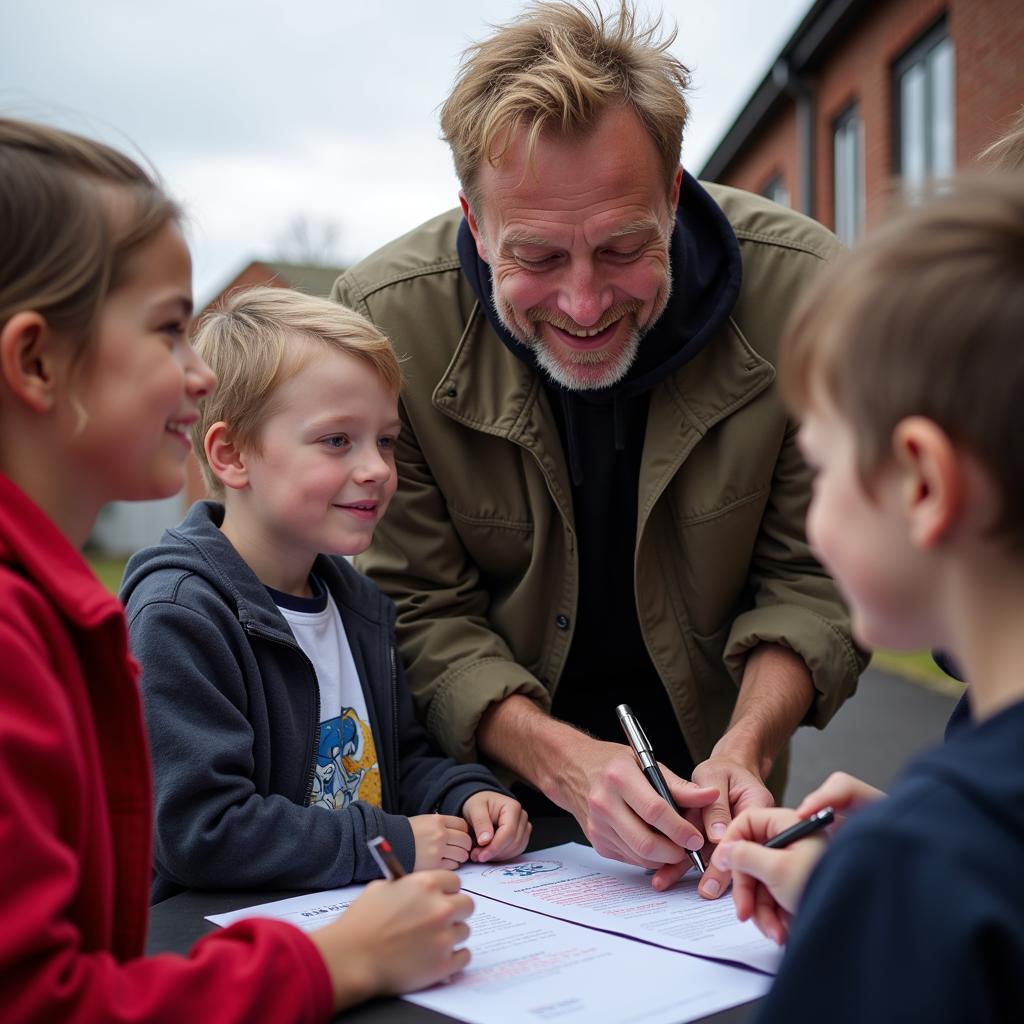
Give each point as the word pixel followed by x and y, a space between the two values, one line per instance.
pixel 176 923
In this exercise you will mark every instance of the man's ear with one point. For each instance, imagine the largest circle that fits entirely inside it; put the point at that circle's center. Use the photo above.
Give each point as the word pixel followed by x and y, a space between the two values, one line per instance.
pixel 932 479
pixel 677 184
pixel 29 359
pixel 226 458
pixel 474 226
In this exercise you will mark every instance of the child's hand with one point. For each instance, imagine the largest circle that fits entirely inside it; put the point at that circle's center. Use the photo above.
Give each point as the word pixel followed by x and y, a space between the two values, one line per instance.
pixel 442 841
pixel 842 792
pixel 396 937
pixel 767 884
pixel 501 826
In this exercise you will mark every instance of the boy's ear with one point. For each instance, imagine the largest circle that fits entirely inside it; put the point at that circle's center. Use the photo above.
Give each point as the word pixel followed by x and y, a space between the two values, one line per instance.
pixel 28 360
pixel 932 479
pixel 225 457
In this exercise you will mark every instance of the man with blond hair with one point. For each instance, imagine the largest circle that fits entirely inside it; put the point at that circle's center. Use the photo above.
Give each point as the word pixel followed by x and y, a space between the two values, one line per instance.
pixel 601 500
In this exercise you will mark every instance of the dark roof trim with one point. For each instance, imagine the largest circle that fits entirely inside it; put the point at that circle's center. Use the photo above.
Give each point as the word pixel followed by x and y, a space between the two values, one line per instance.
pixel 821 28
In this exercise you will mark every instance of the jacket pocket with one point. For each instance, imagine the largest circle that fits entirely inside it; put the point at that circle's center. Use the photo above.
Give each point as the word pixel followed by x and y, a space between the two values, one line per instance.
pixel 713 555
pixel 500 548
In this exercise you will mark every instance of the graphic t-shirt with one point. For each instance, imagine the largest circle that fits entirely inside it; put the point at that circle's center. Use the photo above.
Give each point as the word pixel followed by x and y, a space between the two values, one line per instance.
pixel 346 767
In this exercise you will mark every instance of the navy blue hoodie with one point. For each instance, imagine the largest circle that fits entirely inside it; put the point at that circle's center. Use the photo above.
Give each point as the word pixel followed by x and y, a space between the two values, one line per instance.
pixel 917 911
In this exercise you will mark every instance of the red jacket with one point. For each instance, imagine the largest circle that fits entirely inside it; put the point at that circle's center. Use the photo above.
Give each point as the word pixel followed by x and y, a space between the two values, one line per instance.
pixel 75 820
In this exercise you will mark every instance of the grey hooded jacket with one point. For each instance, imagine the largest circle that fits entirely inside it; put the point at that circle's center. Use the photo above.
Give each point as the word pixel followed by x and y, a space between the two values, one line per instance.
pixel 233 710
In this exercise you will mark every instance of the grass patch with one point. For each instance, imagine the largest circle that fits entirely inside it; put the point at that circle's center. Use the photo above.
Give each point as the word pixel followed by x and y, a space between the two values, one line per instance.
pixel 919 667
pixel 109 569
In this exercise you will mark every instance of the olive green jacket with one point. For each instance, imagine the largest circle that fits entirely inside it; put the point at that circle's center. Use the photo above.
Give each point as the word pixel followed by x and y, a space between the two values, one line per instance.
pixel 479 551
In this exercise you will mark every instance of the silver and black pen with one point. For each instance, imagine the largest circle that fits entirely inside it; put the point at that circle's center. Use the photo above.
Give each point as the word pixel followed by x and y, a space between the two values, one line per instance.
pixel 649 766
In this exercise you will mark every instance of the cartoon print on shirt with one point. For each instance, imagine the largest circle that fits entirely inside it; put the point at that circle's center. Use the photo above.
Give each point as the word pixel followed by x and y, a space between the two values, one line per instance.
pixel 322 775
pixel 346 767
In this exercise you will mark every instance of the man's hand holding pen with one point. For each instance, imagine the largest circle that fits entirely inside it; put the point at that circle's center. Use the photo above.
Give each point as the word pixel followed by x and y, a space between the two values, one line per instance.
pixel 730 794
pixel 623 816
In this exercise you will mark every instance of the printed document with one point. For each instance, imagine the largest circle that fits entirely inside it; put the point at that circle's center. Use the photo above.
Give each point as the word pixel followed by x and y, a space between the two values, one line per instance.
pixel 575 883
pixel 530 967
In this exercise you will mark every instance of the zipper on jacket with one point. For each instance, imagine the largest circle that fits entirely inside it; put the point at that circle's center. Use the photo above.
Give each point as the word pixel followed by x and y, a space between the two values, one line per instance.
pixel 394 721
pixel 292 646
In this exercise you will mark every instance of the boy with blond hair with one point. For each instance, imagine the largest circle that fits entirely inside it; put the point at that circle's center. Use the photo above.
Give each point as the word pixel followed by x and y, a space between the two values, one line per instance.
pixel 906 365
pixel 283 735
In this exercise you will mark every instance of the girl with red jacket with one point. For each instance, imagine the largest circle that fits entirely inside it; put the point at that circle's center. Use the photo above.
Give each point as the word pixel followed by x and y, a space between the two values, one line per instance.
pixel 99 385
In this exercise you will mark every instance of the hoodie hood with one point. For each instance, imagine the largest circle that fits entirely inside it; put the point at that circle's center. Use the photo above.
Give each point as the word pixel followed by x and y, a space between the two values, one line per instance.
pixel 706 278
pixel 197 547
pixel 183 548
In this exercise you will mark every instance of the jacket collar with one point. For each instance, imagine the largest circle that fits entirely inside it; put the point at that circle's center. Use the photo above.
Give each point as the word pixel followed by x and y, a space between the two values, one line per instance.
pixel 724 377
pixel 32 545
pixel 707 271
pixel 486 388
pixel 197 545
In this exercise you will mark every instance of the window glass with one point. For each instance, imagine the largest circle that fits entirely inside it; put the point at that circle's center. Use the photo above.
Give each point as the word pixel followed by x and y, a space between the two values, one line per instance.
pixel 848 175
pixel 925 90
pixel 775 190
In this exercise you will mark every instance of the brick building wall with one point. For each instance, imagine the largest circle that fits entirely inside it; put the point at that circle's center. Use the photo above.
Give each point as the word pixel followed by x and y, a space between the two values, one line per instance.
pixel 774 151
pixel 989 40
pixel 988 46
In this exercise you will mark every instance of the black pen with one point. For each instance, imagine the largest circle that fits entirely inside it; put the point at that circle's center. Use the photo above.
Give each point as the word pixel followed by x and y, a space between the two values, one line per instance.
pixel 645 756
pixel 386 858
pixel 807 827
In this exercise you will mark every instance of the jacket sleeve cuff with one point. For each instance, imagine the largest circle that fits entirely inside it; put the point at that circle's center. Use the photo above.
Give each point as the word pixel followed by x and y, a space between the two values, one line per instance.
pixel 833 660
pixel 465 692
pixel 274 945
pixel 398 830
pixel 458 795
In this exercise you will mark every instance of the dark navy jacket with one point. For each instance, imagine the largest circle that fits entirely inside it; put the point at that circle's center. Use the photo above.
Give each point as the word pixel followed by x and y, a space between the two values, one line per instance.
pixel 233 713
pixel 917 912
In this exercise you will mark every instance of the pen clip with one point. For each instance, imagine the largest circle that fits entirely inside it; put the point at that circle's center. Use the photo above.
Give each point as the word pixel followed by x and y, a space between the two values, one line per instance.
pixel 635 734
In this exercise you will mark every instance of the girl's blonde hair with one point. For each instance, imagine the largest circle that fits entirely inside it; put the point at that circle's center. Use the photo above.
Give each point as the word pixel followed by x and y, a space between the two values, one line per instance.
pixel 71 210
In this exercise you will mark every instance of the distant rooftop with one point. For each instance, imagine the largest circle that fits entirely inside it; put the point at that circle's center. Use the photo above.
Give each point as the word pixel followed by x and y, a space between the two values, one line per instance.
pixel 312 278
pixel 822 28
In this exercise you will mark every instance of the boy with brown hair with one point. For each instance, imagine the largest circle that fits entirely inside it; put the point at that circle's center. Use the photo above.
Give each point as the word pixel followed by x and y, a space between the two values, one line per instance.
pixel 283 734
pixel 906 365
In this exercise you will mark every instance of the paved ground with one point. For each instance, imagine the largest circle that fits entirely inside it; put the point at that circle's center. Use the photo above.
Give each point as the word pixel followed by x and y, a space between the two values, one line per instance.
pixel 873 736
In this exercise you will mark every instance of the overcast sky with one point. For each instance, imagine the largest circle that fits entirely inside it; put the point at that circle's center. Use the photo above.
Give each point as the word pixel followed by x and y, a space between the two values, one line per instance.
pixel 260 113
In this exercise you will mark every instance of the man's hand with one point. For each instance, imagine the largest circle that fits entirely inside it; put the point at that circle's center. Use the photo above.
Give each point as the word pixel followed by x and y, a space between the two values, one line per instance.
pixel 740 788
pixel 621 814
pixel 774 697
pixel 767 884
pixel 499 825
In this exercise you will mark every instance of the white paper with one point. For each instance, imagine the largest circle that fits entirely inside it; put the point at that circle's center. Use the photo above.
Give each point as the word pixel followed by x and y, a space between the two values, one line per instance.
pixel 308 911
pixel 526 967
pixel 574 883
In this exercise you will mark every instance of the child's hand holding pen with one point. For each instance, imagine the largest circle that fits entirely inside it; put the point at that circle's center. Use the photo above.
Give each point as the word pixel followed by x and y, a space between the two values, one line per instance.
pixel 767 882
pixel 398 936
